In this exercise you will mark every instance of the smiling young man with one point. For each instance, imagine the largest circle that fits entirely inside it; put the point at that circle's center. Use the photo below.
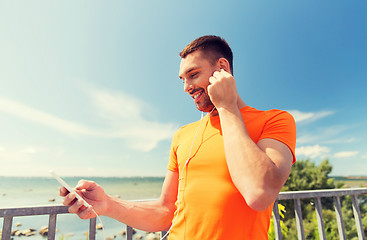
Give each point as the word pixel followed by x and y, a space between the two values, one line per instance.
pixel 224 171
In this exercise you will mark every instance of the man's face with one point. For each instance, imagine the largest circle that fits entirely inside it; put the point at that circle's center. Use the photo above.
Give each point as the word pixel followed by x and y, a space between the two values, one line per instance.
pixel 195 71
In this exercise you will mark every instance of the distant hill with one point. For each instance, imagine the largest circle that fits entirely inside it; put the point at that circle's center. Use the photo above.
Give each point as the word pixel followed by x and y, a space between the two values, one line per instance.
pixel 341 178
pixel 351 181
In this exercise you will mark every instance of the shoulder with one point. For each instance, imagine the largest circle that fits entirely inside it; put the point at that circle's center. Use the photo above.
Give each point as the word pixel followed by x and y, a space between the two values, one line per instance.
pixel 251 112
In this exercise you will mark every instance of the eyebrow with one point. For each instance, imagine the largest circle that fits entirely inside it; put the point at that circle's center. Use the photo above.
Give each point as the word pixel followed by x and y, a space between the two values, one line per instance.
pixel 188 71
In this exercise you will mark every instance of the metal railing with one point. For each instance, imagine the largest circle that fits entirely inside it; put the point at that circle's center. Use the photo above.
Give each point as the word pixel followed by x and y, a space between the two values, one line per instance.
pixel 52 211
pixel 9 213
pixel 296 196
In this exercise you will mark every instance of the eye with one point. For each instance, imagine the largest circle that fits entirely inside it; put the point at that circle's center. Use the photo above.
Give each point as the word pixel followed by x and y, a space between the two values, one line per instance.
pixel 193 75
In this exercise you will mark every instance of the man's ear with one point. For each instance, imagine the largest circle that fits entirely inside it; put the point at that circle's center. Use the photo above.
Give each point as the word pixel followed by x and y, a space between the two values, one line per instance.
pixel 223 63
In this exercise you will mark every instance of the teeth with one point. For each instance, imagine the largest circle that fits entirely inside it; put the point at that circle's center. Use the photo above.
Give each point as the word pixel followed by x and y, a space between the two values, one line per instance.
pixel 196 95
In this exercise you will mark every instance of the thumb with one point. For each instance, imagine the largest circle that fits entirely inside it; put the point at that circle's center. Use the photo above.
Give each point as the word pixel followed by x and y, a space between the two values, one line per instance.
pixel 86 185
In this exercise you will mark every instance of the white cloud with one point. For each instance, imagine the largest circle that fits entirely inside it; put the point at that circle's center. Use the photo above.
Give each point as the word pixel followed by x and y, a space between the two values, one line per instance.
pixel 341 140
pixel 364 156
pixel 33 150
pixel 308 116
pixel 324 135
pixel 29 150
pixel 312 151
pixel 20 110
pixel 17 155
pixel 122 113
pixel 346 154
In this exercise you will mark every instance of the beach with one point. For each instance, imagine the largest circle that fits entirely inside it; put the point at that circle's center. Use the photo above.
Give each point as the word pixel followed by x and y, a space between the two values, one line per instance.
pixel 38 191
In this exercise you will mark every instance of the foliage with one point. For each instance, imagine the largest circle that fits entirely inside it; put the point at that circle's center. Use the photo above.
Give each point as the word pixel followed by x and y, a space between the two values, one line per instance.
pixel 62 237
pixel 271 232
pixel 306 175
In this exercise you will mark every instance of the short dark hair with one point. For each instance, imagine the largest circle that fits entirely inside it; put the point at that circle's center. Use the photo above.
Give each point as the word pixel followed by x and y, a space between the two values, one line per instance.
pixel 213 47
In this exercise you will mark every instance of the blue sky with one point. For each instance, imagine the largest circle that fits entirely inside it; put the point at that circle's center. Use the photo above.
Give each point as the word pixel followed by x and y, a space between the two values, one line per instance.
pixel 91 88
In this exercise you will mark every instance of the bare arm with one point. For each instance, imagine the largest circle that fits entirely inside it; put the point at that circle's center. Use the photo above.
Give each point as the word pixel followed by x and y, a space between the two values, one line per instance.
pixel 258 170
pixel 148 216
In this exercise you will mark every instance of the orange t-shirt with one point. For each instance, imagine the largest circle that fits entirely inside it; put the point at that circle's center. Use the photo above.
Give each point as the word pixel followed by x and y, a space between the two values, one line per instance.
pixel 209 206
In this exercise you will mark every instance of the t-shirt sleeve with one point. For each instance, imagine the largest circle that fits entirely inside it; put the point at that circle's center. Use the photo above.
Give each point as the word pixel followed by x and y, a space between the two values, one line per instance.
pixel 173 164
pixel 282 127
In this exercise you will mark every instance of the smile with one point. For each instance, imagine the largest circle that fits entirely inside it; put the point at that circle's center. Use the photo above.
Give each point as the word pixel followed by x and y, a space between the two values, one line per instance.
pixel 196 95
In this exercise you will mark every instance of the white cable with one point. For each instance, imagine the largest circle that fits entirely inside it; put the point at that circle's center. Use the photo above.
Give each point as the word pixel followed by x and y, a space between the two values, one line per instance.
pixel 187 161
pixel 100 220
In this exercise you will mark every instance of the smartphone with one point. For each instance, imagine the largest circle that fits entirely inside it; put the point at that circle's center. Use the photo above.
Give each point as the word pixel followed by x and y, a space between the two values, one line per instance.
pixel 68 187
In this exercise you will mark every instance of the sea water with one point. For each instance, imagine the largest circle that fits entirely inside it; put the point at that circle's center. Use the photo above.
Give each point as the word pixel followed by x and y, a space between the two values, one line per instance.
pixel 38 191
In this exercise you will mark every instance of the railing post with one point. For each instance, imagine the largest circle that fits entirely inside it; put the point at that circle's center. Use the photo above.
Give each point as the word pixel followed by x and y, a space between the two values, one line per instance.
pixel 320 219
pixel 163 234
pixel 276 218
pixel 339 218
pixel 357 217
pixel 299 219
pixel 8 222
pixel 92 228
pixel 51 227
pixel 129 233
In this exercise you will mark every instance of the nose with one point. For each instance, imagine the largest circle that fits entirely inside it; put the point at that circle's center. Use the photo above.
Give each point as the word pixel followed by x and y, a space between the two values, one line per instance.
pixel 188 87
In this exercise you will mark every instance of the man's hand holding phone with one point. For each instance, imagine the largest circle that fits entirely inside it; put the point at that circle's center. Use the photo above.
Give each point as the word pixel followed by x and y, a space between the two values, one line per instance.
pixel 92 193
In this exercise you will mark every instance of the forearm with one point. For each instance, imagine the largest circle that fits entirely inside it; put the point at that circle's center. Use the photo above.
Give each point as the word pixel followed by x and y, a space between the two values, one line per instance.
pixel 149 216
pixel 254 174
pixel 258 170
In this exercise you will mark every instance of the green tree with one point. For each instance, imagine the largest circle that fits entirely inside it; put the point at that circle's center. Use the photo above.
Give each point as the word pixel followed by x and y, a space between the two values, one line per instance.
pixel 284 229
pixel 306 175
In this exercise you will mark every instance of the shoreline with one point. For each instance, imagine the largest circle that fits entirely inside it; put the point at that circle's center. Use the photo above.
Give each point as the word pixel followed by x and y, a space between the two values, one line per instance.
pixel 18 192
pixel 21 230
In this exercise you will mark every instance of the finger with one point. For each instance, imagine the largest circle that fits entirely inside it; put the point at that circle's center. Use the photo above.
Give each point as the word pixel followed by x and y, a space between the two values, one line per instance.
pixel 217 74
pixel 69 199
pixel 225 73
pixel 63 192
pixel 88 189
pixel 76 207
pixel 84 184
pixel 222 73
pixel 212 80
pixel 86 213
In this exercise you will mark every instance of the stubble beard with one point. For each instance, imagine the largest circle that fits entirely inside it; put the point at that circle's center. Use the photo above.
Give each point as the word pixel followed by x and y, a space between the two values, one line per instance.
pixel 205 105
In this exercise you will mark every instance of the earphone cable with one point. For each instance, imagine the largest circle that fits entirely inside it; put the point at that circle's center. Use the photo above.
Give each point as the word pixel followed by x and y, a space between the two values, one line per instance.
pixel 182 171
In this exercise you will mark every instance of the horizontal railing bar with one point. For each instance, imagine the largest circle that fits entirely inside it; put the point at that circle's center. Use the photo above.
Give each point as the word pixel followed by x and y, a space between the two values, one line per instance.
pixel 46 210
pixel 9 213
pixel 321 193
pixel 29 211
